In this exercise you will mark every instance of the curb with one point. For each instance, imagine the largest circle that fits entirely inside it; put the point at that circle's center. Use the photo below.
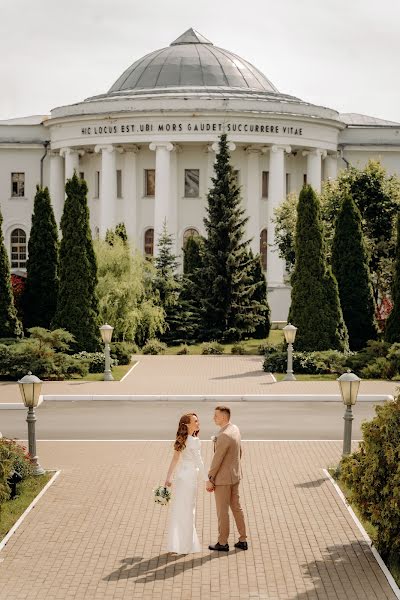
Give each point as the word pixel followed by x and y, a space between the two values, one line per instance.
pixel 32 505
pixel 377 556
pixel 212 397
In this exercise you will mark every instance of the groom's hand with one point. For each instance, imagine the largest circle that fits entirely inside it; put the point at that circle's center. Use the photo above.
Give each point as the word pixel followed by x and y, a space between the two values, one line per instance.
pixel 209 486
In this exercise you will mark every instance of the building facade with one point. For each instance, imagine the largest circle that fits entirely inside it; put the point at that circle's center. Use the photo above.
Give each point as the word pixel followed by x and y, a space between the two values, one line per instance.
pixel 146 149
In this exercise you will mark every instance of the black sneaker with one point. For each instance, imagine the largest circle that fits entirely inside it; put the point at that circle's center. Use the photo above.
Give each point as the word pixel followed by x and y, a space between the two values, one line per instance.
pixel 242 545
pixel 220 547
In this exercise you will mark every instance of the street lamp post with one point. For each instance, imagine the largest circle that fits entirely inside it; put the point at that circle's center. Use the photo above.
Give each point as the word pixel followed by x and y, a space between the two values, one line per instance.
pixel 30 387
pixel 290 335
pixel 106 335
pixel 349 384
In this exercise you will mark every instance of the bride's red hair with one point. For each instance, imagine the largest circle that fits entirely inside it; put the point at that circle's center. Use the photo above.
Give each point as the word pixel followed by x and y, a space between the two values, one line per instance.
pixel 183 432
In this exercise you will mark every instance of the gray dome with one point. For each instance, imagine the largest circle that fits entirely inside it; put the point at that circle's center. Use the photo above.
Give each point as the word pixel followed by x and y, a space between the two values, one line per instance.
pixel 192 61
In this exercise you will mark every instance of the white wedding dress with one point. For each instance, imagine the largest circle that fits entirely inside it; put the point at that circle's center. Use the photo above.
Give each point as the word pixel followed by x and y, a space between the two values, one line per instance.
pixel 182 536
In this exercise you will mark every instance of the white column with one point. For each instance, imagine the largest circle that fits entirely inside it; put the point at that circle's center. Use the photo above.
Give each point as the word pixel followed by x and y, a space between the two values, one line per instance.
pixel 314 168
pixel 253 199
pixel 71 161
pixel 331 166
pixel 173 202
pixel 108 188
pixel 162 200
pixel 276 194
pixel 129 193
pixel 57 185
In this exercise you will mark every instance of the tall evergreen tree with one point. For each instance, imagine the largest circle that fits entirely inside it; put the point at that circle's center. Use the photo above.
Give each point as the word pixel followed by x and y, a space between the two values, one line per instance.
pixel 315 309
pixel 260 298
pixel 40 297
pixel 392 331
pixel 192 289
pixel 229 313
pixel 168 285
pixel 77 306
pixel 10 326
pixel 350 267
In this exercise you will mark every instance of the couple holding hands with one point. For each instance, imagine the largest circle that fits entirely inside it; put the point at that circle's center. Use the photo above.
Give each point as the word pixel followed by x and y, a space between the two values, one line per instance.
pixel 222 479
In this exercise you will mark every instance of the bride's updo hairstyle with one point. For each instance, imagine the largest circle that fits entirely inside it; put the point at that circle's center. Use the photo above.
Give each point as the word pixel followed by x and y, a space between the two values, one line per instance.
pixel 183 431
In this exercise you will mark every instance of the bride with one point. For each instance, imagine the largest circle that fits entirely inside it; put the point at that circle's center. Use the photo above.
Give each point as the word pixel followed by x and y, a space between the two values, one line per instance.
pixel 182 536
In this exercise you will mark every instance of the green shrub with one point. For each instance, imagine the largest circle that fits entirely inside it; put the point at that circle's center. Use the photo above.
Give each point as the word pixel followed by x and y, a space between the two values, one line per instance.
pixel 373 475
pixel 212 348
pixel 17 360
pixel 373 350
pixel 310 363
pixel 184 350
pixel 266 347
pixel 238 349
pixel 94 361
pixel 154 346
pixel 13 457
pixel 380 368
pixel 122 352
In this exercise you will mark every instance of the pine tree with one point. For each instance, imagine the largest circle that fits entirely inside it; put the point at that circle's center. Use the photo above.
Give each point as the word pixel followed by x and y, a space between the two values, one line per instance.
pixel 315 309
pixel 192 289
pixel 77 306
pixel 168 285
pixel 40 297
pixel 350 267
pixel 10 326
pixel 392 331
pixel 227 308
pixel 118 232
pixel 260 298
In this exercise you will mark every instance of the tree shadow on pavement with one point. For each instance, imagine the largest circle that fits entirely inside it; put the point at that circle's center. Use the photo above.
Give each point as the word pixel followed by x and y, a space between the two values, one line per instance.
pixel 311 484
pixel 158 567
pixel 241 375
pixel 345 571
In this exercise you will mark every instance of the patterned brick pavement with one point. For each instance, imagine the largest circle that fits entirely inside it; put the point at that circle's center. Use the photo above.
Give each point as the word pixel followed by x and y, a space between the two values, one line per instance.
pixel 96 534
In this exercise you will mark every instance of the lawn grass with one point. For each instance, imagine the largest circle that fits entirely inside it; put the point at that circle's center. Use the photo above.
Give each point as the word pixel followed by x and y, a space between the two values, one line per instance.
pixel 251 345
pixel 27 490
pixel 117 372
pixel 393 566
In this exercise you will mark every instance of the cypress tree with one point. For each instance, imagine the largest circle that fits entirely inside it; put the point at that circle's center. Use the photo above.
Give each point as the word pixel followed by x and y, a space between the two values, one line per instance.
pixel 227 308
pixel 10 326
pixel 77 306
pixel 260 298
pixel 315 309
pixel 40 297
pixel 350 267
pixel 392 331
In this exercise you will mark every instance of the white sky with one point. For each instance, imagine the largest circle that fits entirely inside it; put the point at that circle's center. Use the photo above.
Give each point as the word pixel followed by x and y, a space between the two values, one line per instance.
pixel 343 54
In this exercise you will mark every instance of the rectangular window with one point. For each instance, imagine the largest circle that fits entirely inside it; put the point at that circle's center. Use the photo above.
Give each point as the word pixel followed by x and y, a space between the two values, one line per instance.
pixel 119 183
pixel 287 183
pixel 265 184
pixel 150 182
pixel 305 179
pixel 81 175
pixel 192 178
pixel 17 185
pixel 97 184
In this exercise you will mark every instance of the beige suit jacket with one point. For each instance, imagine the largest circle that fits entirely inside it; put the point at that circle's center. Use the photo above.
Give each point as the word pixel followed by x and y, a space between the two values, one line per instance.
pixel 225 465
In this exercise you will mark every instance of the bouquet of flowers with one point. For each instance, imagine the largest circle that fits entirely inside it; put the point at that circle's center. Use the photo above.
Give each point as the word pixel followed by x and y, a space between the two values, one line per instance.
pixel 162 495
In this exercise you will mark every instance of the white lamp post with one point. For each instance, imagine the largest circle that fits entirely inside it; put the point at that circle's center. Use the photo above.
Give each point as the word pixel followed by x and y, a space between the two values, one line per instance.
pixel 290 335
pixel 106 335
pixel 349 385
pixel 30 387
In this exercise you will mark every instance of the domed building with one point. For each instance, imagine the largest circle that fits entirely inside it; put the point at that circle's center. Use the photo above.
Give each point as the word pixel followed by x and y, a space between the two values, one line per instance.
pixel 147 148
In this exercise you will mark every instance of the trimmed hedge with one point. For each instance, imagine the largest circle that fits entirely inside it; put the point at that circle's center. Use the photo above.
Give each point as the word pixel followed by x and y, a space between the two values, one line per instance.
pixel 372 474
pixel 13 457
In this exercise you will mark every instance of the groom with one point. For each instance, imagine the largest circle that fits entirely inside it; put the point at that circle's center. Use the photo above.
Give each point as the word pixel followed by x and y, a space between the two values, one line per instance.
pixel 224 478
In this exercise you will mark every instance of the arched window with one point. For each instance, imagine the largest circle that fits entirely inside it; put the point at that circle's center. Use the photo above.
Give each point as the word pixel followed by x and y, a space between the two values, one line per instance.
pixel 149 242
pixel 190 232
pixel 18 249
pixel 264 248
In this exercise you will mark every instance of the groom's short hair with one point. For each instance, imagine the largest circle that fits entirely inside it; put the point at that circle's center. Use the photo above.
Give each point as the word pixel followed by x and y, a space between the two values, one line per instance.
pixel 224 409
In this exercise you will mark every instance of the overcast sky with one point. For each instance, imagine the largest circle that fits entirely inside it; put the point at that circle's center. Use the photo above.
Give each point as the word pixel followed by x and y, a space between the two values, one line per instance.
pixel 343 54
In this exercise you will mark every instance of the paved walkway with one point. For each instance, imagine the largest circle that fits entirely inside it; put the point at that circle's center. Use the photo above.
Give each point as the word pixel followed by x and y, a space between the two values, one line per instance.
pixel 97 535
pixel 206 375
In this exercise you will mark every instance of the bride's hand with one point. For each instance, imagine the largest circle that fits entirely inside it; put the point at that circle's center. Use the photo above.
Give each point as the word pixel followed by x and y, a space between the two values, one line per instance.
pixel 167 483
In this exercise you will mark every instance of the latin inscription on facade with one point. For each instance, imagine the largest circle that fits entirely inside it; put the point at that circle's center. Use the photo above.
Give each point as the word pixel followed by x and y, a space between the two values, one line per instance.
pixel 191 127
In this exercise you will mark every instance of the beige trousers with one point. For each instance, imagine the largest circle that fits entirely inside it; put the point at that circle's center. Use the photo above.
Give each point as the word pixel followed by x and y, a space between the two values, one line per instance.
pixel 227 496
